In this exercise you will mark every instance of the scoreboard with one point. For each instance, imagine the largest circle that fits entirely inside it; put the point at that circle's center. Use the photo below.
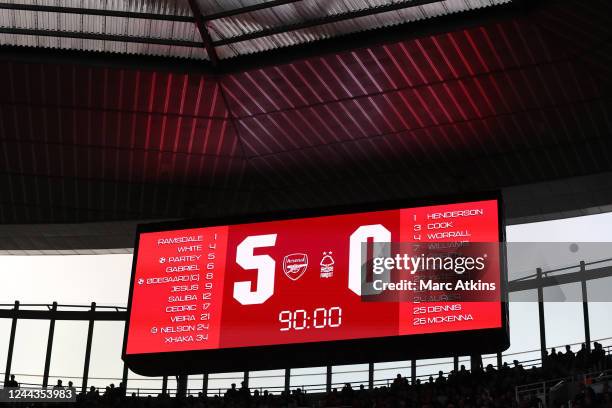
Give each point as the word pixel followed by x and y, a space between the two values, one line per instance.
pixel 288 290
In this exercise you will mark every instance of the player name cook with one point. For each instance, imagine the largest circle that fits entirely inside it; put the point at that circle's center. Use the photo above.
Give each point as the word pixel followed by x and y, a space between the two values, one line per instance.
pixel 180 240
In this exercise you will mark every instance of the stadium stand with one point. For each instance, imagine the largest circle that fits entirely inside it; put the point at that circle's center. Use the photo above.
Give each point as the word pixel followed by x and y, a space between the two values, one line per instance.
pixel 124 112
pixel 583 374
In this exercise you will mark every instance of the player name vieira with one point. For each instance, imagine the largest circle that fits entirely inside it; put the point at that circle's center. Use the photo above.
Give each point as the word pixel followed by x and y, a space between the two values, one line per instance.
pixel 429 284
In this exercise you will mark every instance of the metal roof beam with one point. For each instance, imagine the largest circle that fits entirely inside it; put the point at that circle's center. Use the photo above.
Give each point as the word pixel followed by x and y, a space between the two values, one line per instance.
pixel 95 12
pixel 201 25
pixel 558 280
pixel 247 9
pixel 63 315
pixel 334 18
pixel 100 37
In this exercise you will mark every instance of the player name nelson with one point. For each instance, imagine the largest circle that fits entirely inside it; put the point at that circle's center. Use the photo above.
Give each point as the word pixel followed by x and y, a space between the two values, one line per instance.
pixel 429 284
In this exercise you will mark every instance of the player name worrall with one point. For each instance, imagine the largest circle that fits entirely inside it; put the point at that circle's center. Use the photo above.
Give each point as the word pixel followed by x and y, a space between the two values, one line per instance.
pixel 449 234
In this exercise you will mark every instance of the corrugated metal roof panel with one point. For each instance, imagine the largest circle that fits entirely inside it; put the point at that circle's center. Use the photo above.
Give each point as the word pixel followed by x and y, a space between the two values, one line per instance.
pixel 212 6
pixel 172 7
pixel 102 46
pixel 287 16
pixel 107 25
pixel 312 10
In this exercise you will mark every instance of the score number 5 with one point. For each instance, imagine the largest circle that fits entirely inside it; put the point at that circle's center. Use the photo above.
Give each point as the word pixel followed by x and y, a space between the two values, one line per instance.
pixel 265 270
pixel 265 264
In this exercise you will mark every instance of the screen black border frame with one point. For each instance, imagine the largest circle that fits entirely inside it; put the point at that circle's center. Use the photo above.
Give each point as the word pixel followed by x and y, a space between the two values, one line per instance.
pixel 333 352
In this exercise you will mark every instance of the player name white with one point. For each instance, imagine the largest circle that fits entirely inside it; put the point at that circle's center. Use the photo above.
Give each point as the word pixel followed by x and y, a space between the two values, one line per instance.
pixel 180 240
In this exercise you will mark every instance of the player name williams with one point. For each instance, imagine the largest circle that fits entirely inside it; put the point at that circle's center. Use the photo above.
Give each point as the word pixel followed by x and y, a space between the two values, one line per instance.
pixel 429 284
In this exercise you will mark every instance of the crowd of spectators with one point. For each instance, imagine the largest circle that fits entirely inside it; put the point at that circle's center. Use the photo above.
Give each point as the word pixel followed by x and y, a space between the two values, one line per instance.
pixel 481 387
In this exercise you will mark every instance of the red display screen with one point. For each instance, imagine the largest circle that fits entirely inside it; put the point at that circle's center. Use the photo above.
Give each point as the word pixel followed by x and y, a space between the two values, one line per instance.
pixel 292 281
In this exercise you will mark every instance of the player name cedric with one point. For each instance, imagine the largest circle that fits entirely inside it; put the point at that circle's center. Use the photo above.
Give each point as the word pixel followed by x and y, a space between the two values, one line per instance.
pixel 429 284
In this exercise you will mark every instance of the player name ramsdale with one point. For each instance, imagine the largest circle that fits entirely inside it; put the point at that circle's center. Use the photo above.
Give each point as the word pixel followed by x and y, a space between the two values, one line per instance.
pixel 429 284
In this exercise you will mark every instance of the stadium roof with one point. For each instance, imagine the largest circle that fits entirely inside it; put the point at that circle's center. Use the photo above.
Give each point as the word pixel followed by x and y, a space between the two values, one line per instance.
pixel 205 29
pixel 509 100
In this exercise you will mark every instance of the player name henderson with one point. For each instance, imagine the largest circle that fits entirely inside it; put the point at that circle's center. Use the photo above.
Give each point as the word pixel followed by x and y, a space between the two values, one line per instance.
pixel 429 284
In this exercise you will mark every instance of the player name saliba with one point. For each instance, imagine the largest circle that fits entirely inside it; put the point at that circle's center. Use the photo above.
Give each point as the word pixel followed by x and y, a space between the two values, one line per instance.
pixel 429 284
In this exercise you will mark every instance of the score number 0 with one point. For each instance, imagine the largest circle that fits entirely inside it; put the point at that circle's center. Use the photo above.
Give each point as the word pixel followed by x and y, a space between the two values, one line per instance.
pixel 266 265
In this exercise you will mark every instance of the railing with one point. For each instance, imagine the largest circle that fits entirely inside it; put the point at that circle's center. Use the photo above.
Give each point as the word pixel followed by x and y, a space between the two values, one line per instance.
pixel 551 272
pixel 541 388
pixel 49 306
pixel 93 313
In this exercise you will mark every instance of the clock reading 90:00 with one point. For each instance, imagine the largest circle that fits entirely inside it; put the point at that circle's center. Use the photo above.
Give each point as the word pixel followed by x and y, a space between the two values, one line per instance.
pixel 320 318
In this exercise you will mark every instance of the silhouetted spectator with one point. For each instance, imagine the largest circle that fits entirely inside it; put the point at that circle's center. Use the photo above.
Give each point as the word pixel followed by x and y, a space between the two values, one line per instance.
pixel 232 392
pixel 12 382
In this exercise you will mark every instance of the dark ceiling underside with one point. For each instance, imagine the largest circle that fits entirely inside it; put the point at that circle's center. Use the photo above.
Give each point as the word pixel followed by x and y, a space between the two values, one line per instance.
pixel 509 102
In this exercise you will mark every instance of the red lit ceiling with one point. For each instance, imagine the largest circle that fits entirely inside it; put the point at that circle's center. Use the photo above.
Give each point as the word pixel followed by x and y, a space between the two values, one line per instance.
pixel 507 102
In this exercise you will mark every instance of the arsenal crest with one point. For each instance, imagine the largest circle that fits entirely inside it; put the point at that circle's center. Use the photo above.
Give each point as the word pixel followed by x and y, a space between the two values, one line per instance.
pixel 294 265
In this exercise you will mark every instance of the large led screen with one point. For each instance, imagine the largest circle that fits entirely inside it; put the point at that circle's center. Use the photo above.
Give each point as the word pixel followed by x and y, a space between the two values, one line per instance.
pixel 296 281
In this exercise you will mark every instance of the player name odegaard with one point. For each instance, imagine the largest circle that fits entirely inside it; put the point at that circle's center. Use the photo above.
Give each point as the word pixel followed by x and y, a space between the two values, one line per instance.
pixel 429 284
